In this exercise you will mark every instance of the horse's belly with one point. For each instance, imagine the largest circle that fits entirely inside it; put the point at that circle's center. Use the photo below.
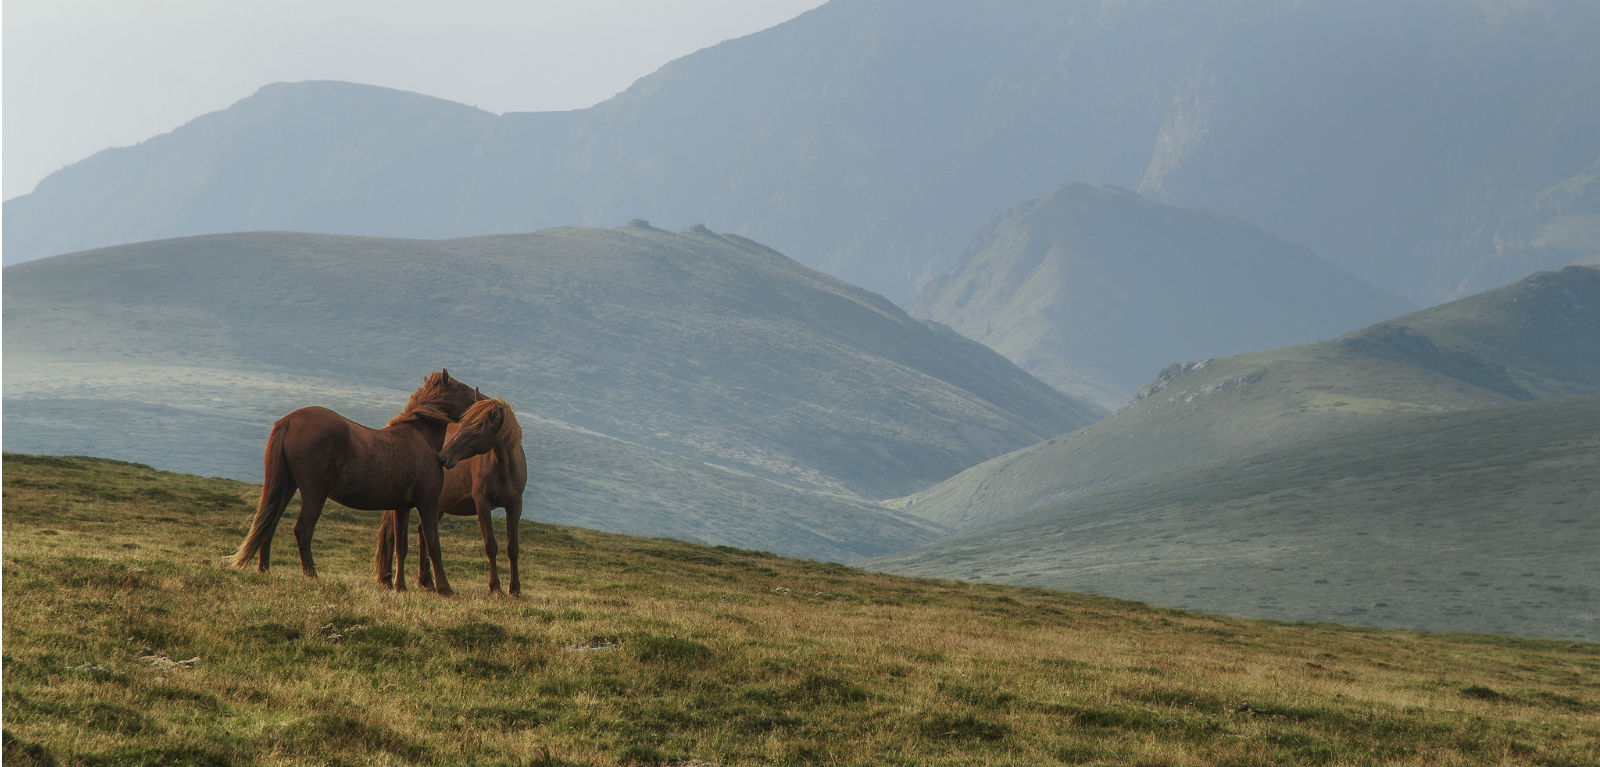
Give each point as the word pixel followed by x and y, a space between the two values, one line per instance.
pixel 368 499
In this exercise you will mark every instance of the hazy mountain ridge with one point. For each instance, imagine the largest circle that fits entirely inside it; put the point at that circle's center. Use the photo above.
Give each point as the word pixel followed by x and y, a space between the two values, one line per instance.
pixel 1094 288
pixel 685 348
pixel 851 140
pixel 1535 338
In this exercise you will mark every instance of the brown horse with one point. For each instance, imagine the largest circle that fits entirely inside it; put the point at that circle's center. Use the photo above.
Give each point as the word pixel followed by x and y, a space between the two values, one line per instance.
pixel 325 455
pixel 485 468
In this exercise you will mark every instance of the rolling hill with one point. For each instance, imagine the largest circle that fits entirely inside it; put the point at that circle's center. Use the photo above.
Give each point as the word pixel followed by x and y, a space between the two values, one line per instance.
pixel 1536 338
pixel 1432 149
pixel 689 384
pixel 1477 520
pixel 1092 288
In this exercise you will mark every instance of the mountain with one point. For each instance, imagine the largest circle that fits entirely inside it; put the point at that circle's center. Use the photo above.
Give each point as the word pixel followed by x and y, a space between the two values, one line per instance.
pixel 1432 149
pixel 1478 520
pixel 1428 472
pixel 1535 339
pixel 692 384
pixel 1093 288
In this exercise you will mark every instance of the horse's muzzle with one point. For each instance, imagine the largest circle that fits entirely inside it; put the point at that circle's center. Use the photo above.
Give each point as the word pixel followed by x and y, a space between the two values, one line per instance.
pixel 448 463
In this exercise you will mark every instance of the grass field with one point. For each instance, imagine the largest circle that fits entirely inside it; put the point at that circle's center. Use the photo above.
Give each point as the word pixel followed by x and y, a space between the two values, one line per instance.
pixel 127 642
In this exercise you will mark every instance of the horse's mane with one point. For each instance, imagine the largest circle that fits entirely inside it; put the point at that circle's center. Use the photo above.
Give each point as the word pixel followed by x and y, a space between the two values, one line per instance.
pixel 509 433
pixel 427 400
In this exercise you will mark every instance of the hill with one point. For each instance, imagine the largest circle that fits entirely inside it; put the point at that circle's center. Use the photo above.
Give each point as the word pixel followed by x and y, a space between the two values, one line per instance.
pixel 1481 520
pixel 126 642
pixel 1537 338
pixel 849 138
pixel 1092 288
pixel 687 384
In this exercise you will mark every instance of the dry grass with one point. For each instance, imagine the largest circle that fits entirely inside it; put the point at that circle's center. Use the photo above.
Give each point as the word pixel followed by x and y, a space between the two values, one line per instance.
pixel 643 651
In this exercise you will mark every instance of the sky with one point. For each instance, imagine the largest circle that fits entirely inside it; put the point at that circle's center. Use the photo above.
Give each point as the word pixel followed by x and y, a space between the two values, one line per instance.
pixel 80 76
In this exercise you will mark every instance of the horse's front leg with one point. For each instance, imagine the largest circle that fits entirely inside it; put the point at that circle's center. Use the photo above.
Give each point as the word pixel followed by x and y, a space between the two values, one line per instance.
pixel 513 529
pixel 383 557
pixel 310 510
pixel 428 509
pixel 490 548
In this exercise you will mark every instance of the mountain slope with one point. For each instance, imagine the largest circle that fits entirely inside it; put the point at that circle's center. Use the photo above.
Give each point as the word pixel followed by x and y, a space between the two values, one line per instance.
pixel 1536 338
pixel 1403 142
pixel 1092 288
pixel 677 349
pixel 1480 520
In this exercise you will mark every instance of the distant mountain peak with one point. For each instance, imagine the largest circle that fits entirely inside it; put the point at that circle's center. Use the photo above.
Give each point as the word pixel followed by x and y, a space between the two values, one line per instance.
pixel 1093 288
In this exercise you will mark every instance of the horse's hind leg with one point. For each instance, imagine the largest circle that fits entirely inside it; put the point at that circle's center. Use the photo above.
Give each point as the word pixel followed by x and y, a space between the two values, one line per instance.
pixel 430 532
pixel 310 510
pixel 397 539
pixel 490 548
pixel 513 528
pixel 424 574
pixel 383 557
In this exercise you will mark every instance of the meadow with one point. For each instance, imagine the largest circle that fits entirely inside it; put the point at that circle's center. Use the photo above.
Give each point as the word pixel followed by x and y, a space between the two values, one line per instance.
pixel 127 641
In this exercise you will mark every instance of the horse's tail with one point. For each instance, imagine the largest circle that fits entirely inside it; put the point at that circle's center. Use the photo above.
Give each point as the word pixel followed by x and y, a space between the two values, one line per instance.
pixel 383 554
pixel 276 490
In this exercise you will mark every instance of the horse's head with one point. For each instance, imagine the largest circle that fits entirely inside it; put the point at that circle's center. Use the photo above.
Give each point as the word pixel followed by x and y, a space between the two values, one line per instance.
pixel 486 425
pixel 440 398
pixel 455 396
pixel 449 395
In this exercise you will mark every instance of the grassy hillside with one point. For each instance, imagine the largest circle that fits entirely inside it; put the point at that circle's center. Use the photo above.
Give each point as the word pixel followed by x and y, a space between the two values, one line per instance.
pixel 1535 338
pixel 696 355
pixel 127 642
pixel 1092 288
pixel 1480 520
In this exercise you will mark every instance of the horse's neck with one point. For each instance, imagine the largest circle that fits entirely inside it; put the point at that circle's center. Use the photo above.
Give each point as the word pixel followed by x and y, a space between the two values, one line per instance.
pixel 502 454
pixel 501 460
pixel 431 430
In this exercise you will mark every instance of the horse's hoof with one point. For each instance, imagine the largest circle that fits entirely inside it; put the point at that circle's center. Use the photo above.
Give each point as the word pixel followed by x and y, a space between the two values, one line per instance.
pixel 445 592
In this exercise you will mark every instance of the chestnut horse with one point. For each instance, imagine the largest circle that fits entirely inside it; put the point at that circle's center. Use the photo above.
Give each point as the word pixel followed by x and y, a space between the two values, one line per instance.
pixel 485 468
pixel 325 455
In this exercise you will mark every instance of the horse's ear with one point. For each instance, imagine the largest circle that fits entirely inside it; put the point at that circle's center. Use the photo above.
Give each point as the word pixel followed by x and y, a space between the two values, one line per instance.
pixel 444 373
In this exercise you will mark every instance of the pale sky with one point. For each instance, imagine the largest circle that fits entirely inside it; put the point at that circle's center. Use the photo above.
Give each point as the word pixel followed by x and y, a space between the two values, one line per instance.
pixel 84 75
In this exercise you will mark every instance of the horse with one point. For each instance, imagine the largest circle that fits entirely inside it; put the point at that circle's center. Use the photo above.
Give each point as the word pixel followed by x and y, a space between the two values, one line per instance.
pixel 325 455
pixel 485 468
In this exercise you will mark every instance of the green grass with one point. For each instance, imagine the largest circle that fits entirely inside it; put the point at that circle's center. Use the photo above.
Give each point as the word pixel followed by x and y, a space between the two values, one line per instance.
pixel 648 651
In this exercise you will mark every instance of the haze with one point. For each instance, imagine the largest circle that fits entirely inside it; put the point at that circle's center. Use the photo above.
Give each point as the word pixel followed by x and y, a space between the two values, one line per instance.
pixel 84 75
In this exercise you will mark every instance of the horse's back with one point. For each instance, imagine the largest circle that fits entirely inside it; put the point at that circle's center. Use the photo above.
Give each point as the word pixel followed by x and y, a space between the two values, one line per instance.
pixel 358 466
